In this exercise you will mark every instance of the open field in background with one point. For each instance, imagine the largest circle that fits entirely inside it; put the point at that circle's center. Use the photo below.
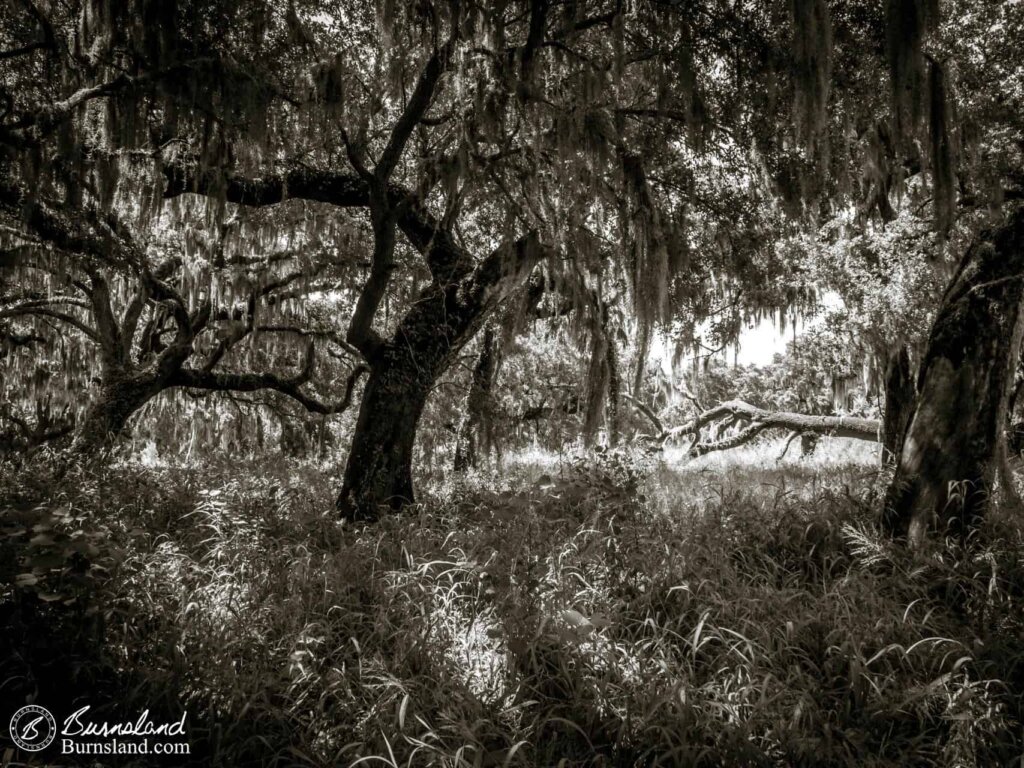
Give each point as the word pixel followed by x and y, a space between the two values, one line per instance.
pixel 622 611
pixel 831 453
pixel 761 454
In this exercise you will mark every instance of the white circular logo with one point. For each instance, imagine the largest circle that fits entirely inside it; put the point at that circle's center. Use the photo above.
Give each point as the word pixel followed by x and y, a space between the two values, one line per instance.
pixel 33 728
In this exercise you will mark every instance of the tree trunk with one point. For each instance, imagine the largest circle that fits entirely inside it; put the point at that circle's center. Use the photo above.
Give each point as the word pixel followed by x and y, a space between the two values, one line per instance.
pixel 899 405
pixel 118 399
pixel 403 371
pixel 475 429
pixel 613 417
pixel 379 469
pixel 378 473
pixel 946 471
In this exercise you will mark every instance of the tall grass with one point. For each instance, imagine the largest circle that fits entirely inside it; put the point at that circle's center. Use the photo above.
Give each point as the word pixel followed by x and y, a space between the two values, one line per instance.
pixel 617 610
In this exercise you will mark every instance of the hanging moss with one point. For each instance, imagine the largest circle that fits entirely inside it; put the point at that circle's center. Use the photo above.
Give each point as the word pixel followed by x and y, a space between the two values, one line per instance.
pixel 645 241
pixel 907 24
pixel 812 70
pixel 685 79
pixel 941 147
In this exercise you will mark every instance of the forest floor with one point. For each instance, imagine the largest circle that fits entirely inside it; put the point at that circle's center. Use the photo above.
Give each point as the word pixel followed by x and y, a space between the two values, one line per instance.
pixel 620 610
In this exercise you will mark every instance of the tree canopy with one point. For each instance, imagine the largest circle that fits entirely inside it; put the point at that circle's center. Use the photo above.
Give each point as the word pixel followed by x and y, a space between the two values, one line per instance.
pixel 240 197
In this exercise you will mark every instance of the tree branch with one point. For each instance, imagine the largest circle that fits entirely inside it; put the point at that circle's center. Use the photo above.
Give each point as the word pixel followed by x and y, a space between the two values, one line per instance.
pixel 48 117
pixel 762 420
pixel 54 314
pixel 252 382
pixel 22 50
pixel 447 261
pixel 646 411
pixel 331 336
pixel 14 339
pixel 415 109
pixel 52 225
pixel 106 322
pixel 361 334
pixel 235 333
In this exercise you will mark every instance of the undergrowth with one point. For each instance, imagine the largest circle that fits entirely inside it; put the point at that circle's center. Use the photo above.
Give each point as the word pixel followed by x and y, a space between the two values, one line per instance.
pixel 617 611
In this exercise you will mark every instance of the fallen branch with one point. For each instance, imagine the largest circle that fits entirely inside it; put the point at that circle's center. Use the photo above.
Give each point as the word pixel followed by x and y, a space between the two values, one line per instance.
pixel 789 442
pixel 759 420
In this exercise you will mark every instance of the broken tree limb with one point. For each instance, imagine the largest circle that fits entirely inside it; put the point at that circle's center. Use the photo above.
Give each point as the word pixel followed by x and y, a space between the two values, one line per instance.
pixel 646 411
pixel 789 442
pixel 733 441
pixel 759 420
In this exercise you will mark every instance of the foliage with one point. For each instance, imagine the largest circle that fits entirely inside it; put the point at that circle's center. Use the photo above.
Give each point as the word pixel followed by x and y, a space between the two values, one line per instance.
pixel 677 617
pixel 823 372
pixel 217 215
pixel 890 279
pixel 667 162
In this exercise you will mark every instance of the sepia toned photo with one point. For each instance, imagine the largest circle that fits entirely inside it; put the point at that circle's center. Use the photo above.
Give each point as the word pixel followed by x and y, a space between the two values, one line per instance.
pixel 496 383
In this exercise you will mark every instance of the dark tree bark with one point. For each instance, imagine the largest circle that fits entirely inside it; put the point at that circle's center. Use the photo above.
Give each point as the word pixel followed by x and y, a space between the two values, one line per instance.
pixel 945 476
pixel 379 468
pixel 614 410
pixel 475 427
pixel 404 370
pixel 119 398
pixel 604 388
pixel 899 404
pixel 125 385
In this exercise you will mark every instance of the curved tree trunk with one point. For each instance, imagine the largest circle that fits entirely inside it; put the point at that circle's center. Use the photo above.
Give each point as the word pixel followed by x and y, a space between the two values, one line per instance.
pixel 405 368
pixel 441 321
pixel 950 457
pixel 899 405
pixel 378 473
